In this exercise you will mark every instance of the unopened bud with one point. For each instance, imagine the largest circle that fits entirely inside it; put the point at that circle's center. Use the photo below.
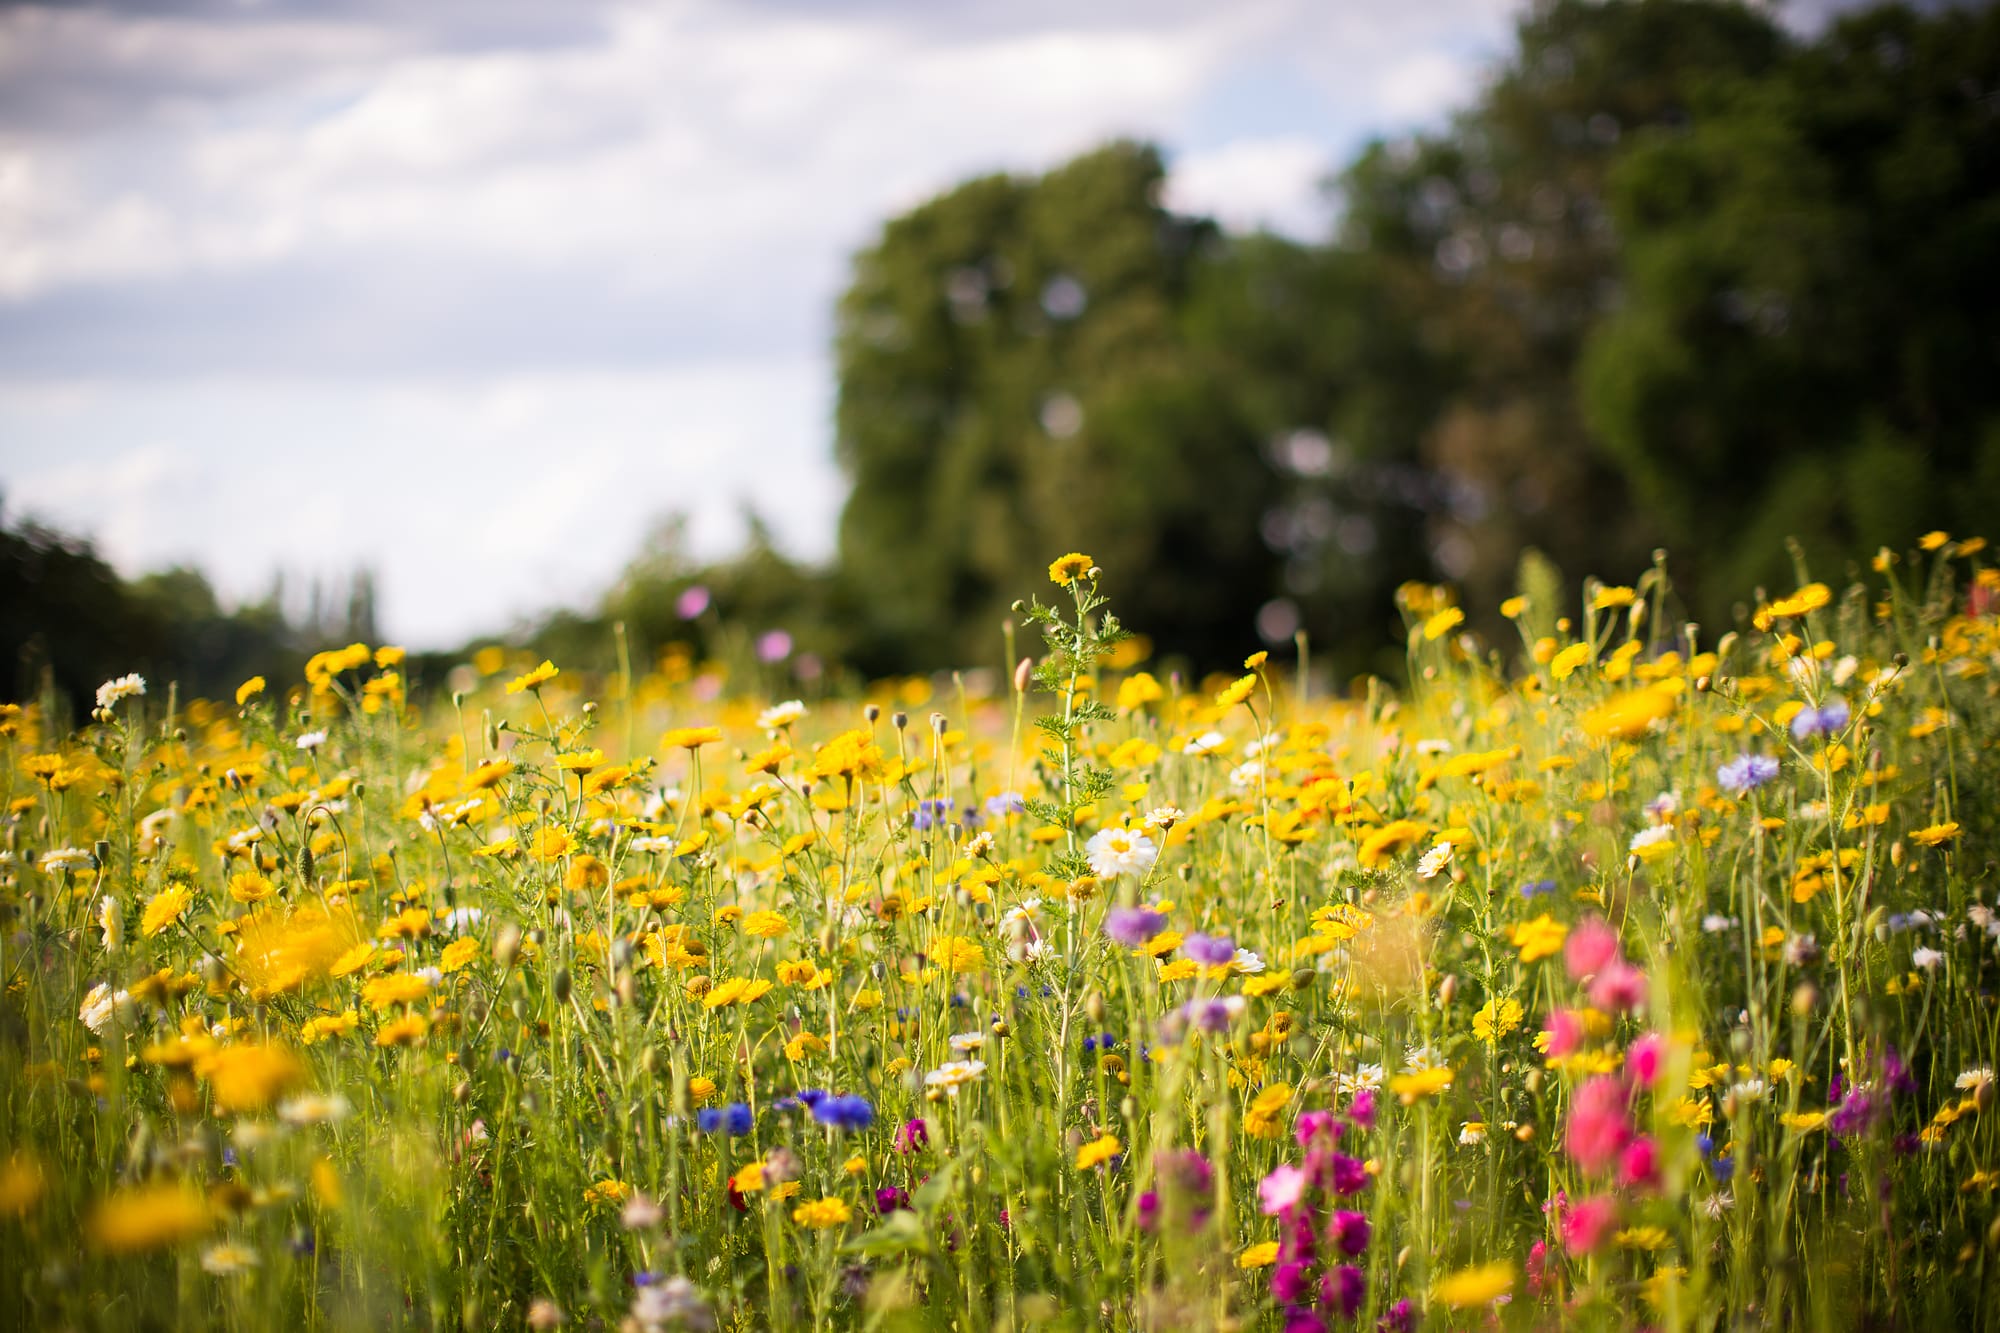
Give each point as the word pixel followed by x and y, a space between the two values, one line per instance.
pixel 1024 671
pixel 507 945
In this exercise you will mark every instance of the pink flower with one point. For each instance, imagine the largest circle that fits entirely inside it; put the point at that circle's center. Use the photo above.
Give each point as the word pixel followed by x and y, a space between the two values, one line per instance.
pixel 1312 1123
pixel 1591 947
pixel 1588 1224
pixel 1620 986
pixel 1639 1164
pixel 1565 1031
pixel 1598 1126
pixel 1282 1189
pixel 1642 1061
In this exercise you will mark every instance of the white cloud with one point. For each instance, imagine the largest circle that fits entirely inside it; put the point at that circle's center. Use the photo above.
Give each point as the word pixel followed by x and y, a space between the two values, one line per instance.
pixel 474 501
pixel 1247 184
pixel 471 292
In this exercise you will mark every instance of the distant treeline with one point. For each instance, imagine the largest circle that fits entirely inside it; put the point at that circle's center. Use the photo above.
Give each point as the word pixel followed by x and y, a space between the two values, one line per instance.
pixel 1674 278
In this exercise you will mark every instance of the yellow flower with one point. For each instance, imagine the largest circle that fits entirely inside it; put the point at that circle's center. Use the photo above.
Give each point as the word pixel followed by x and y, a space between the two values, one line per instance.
pixel 1068 569
pixel 1413 1088
pixel 553 843
pixel 1610 599
pixel 1539 938
pixel 1137 690
pixel 327 1025
pixel 1496 1020
pixel 1385 842
pixel 749 1177
pixel 1475 1286
pixel 607 1192
pixel 1624 716
pixel 1261 1255
pixel 1931 541
pixel 1936 835
pixel 700 1089
pixel 250 1077
pixel 690 738
pixel 1098 1151
pixel 533 679
pixel 1513 607
pixel 249 887
pixel 822 1213
pixel 149 1218
pixel 163 909
pixel 765 925
pixel 458 954
pixel 1565 663
pixel 405 1031
pixel 1443 623
pixel 249 690
pixel 1237 692
pixel 394 989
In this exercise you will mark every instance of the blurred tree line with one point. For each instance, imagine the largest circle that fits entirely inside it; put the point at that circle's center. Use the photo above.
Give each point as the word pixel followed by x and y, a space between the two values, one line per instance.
pixel 68 623
pixel 1675 278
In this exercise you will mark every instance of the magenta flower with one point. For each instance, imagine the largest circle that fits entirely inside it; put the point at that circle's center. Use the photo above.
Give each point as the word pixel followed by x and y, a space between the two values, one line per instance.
pixel 1349 1232
pixel 1599 1127
pixel 1588 1224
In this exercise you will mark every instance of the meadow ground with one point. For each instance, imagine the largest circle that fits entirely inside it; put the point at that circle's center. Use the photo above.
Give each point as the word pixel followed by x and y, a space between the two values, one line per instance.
pixel 1628 974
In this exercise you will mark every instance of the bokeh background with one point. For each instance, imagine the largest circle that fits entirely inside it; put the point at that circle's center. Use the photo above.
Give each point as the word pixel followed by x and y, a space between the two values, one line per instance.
pixel 809 332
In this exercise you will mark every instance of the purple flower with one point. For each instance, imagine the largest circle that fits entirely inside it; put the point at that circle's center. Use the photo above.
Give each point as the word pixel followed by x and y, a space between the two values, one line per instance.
pixel 1290 1283
pixel 1535 888
pixel 774 646
pixel 1006 803
pixel 931 813
pixel 1314 1123
pixel 1825 720
pixel 692 602
pixel 1401 1318
pixel 1133 926
pixel 1361 1109
pixel 1349 1232
pixel 891 1197
pixel 1210 950
pixel 1149 1211
pixel 1349 1175
pixel 1747 772
pixel 1344 1289
pixel 914 1135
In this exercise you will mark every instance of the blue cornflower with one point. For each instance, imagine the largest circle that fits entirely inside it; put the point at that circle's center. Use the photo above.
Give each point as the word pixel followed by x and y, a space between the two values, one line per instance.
pixel 734 1118
pixel 1822 721
pixel 931 813
pixel 1746 772
pixel 1006 803
pixel 1535 888
pixel 846 1111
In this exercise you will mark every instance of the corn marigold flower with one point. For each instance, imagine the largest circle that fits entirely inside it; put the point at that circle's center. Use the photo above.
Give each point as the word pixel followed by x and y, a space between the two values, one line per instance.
pixel 690 738
pixel 1067 569
pixel 163 909
pixel 534 679
pixel 1936 835
pixel 822 1213
pixel 150 1217
pixel 1537 939
pixel 1098 1151
pixel 1470 1287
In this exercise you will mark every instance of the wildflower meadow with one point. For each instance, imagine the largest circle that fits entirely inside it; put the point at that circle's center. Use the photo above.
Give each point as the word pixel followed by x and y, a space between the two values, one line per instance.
pixel 1624 972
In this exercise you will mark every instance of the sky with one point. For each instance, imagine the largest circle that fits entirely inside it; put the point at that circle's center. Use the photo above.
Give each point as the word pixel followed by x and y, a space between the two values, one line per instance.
pixel 476 292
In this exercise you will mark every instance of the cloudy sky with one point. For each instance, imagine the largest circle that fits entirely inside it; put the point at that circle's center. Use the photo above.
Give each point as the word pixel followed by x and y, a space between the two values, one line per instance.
pixel 473 291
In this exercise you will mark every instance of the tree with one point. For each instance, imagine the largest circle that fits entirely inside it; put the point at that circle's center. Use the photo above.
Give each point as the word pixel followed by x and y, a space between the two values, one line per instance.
pixel 1017 379
pixel 1810 340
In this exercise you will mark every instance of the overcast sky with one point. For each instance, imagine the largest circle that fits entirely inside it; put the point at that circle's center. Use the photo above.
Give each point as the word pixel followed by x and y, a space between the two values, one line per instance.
pixel 473 291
